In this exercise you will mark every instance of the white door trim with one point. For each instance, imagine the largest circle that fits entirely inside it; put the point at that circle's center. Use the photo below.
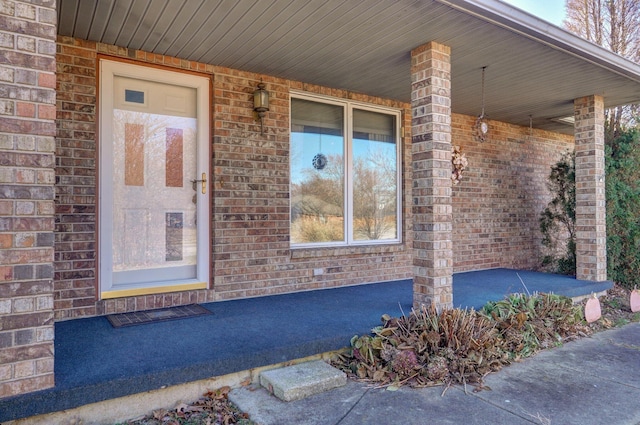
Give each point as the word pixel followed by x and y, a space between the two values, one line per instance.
pixel 108 70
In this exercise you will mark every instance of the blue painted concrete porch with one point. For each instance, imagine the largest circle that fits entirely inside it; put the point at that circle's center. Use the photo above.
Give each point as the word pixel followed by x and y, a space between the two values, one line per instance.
pixel 95 362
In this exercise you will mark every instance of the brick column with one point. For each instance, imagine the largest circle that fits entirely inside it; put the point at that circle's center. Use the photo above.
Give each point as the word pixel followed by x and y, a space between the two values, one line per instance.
pixel 27 130
pixel 431 193
pixel 591 229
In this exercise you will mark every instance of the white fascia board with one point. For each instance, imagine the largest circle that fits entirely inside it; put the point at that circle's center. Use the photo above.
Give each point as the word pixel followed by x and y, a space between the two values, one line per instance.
pixel 528 25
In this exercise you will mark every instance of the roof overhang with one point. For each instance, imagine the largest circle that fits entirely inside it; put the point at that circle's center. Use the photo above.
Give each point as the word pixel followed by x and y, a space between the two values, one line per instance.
pixel 534 69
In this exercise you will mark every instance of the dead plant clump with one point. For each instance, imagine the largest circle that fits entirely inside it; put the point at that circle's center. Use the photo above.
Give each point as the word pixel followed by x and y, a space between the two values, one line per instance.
pixel 427 348
pixel 213 408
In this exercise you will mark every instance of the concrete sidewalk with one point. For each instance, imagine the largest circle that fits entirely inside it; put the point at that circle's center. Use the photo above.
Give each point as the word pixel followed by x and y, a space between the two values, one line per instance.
pixel 591 381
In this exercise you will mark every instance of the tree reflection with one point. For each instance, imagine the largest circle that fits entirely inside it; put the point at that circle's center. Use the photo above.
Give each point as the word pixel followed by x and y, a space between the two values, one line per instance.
pixel 318 199
pixel 146 230
pixel 374 196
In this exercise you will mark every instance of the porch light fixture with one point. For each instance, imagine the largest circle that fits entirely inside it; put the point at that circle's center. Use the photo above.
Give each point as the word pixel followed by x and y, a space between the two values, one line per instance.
pixel 482 126
pixel 569 120
pixel 261 103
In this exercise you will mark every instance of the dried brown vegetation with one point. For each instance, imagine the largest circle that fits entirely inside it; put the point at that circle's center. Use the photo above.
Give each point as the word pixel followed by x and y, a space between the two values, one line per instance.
pixel 213 408
pixel 429 348
pixel 425 348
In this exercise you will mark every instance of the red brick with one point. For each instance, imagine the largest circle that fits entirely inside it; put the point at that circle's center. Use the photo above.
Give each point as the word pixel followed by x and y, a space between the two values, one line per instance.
pixel 6 207
pixel 27 110
pixel 42 128
pixel 6 273
pixel 26 256
pixel 26 320
pixel 6 240
pixel 47 112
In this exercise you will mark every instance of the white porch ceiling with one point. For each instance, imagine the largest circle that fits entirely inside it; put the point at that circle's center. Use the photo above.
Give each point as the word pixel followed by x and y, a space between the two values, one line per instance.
pixel 533 68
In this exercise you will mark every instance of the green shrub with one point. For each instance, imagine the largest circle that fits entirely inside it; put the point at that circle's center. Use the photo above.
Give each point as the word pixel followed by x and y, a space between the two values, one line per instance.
pixel 558 220
pixel 623 208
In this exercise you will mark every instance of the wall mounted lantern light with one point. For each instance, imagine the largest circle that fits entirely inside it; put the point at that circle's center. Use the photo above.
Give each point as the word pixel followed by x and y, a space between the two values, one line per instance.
pixel 261 103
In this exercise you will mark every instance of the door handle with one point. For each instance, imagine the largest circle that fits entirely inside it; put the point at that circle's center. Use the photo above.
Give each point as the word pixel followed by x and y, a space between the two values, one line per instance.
pixel 203 181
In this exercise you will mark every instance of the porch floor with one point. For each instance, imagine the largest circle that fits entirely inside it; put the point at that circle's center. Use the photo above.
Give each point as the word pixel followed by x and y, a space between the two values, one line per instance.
pixel 95 362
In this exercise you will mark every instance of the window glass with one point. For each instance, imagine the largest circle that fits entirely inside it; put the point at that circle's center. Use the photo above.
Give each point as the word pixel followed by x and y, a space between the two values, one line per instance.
pixel 374 176
pixel 317 172
pixel 344 173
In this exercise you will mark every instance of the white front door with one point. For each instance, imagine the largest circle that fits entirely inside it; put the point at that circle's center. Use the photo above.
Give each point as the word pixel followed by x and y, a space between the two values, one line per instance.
pixel 154 193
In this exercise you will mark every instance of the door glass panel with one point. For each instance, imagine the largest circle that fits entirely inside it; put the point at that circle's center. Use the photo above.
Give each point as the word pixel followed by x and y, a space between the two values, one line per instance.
pixel 154 234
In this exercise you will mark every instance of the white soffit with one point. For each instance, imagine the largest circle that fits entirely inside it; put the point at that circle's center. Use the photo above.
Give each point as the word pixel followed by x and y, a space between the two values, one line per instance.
pixel 533 67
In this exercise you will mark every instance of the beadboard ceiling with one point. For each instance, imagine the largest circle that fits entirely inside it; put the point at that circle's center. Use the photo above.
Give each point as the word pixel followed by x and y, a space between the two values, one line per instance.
pixel 533 68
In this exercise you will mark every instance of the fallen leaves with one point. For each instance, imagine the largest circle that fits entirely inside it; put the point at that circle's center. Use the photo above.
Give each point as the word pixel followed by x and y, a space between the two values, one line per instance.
pixel 616 309
pixel 213 408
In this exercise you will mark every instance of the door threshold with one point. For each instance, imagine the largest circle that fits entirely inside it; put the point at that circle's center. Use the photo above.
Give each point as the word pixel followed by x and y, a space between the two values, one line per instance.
pixel 132 292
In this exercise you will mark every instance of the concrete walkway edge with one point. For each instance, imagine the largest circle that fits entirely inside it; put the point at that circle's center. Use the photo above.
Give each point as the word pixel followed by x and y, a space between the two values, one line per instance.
pixel 590 381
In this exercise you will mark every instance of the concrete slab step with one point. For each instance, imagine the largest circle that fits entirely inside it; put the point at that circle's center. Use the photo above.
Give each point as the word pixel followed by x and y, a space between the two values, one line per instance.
pixel 302 380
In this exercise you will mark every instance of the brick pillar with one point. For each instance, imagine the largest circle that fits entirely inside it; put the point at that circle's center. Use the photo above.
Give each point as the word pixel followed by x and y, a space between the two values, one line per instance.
pixel 591 229
pixel 27 130
pixel 431 193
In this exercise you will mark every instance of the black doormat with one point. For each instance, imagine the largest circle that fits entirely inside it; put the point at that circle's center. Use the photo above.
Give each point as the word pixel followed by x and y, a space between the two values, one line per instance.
pixel 121 320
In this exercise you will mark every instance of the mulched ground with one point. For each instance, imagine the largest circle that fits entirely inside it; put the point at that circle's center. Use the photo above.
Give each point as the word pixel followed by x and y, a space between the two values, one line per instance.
pixel 214 408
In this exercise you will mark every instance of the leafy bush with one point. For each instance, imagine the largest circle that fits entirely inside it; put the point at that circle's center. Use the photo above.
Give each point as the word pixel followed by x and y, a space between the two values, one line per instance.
pixel 558 220
pixel 623 208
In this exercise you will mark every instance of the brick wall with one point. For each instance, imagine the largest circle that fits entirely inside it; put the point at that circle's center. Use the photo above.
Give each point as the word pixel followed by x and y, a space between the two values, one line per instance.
pixel 27 128
pixel 251 202
pixel 75 233
pixel 250 183
pixel 497 204
pixel 250 214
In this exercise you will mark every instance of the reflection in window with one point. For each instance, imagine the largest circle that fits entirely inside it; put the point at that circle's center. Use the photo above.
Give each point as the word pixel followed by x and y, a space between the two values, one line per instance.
pixel 374 176
pixel 317 172
pixel 344 186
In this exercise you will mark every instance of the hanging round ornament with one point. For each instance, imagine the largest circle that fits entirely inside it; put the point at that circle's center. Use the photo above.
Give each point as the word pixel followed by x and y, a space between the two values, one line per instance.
pixel 319 161
pixel 481 126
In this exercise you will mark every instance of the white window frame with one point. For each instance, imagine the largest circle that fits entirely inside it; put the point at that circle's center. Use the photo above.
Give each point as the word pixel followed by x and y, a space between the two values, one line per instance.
pixel 348 107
